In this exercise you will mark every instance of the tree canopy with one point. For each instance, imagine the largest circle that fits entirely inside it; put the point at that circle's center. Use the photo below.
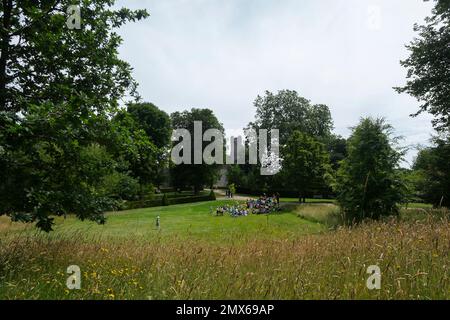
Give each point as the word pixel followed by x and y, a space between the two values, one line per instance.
pixel 368 184
pixel 432 164
pixel 306 165
pixel 158 128
pixel 59 89
pixel 287 111
pixel 428 65
pixel 155 122
pixel 195 175
pixel 43 60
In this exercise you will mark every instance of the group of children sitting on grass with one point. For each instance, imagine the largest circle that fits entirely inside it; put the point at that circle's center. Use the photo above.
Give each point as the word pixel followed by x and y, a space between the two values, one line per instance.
pixel 261 205
pixel 234 210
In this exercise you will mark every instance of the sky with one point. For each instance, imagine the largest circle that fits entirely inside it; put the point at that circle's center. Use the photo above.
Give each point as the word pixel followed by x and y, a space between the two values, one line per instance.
pixel 221 54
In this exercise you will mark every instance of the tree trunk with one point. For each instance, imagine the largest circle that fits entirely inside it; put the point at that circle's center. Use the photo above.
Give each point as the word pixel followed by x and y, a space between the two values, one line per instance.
pixel 4 46
pixel 141 191
pixel 302 197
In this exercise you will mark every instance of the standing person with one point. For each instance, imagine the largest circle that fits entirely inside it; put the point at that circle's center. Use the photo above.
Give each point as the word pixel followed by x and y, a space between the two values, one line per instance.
pixel 157 222
pixel 278 198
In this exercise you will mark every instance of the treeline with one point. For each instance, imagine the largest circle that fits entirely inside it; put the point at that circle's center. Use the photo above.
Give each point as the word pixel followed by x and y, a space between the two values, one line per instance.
pixel 310 153
pixel 57 160
pixel 66 147
pixel 363 172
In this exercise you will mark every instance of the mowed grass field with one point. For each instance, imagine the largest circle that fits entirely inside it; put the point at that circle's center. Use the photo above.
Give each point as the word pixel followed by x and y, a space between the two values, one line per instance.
pixel 194 221
pixel 296 254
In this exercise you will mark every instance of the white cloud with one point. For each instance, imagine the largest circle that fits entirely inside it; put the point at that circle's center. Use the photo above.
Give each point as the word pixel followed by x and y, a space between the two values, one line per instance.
pixel 221 54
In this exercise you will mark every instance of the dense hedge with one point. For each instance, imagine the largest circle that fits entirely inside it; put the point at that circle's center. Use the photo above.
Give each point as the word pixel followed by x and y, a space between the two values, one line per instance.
pixel 127 205
pixel 284 193
pixel 163 201
pixel 189 199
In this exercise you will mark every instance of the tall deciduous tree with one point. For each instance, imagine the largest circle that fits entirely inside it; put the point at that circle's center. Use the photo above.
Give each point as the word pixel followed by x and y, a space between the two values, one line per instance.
pixel 368 182
pixel 58 90
pixel 47 164
pixel 428 66
pixel 432 165
pixel 287 111
pixel 143 158
pixel 195 175
pixel 337 148
pixel 43 60
pixel 155 122
pixel 306 165
pixel 158 128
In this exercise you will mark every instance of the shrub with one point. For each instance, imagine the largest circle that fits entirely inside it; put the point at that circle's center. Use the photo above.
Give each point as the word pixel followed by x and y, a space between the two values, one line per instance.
pixel 120 185
pixel 368 184
pixel 165 201
pixel 128 205
pixel 189 199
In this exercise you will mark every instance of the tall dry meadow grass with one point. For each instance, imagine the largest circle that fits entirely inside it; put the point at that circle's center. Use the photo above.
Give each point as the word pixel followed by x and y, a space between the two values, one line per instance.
pixel 413 257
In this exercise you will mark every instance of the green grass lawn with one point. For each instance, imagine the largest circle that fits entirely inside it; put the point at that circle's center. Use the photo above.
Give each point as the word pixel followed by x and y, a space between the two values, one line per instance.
pixel 193 221
pixel 418 205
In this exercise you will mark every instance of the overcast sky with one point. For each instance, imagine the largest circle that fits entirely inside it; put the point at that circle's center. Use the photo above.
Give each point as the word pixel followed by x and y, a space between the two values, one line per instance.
pixel 221 54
